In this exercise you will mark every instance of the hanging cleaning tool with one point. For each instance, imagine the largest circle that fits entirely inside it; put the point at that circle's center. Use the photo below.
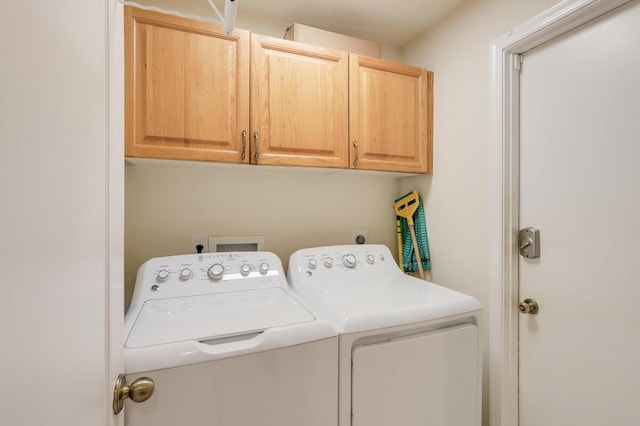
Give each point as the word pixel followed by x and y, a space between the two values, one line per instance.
pixel 409 261
pixel 405 207
pixel 420 228
pixel 399 232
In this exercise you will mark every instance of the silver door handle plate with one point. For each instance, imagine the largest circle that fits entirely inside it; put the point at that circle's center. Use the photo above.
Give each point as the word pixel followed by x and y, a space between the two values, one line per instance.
pixel 529 243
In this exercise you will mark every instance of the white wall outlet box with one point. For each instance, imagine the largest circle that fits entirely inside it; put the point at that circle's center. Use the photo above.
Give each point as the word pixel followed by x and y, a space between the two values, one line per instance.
pixel 224 244
pixel 202 240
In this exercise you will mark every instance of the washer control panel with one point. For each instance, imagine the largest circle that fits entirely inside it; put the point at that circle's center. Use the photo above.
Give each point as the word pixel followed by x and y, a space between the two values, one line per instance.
pixel 206 273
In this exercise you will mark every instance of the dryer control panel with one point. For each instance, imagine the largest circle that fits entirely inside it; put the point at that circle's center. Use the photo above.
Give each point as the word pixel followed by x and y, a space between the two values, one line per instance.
pixel 336 261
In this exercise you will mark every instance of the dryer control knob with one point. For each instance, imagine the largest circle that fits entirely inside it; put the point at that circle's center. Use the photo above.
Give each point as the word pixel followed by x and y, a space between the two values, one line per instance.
pixel 370 259
pixel 312 263
pixel 216 272
pixel 162 276
pixel 245 269
pixel 264 268
pixel 349 260
pixel 328 262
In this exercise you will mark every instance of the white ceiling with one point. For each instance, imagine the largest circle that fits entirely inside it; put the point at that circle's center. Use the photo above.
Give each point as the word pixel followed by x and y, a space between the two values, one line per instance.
pixel 388 22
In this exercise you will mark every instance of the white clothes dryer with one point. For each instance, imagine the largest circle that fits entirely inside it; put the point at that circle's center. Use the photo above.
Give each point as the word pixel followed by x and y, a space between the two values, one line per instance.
pixel 409 349
pixel 227 344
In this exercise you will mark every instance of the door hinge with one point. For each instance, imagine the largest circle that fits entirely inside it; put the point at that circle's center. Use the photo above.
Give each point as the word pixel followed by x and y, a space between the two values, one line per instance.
pixel 517 62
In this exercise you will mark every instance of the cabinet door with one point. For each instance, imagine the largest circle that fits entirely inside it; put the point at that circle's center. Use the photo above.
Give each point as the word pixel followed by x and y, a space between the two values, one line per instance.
pixel 299 104
pixel 186 89
pixel 390 116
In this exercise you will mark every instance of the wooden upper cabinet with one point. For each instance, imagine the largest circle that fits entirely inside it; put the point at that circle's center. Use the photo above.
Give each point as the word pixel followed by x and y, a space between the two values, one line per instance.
pixel 299 104
pixel 390 116
pixel 186 89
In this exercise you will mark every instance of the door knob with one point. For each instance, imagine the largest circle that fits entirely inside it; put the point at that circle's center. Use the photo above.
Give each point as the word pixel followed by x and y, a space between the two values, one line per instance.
pixel 139 391
pixel 528 306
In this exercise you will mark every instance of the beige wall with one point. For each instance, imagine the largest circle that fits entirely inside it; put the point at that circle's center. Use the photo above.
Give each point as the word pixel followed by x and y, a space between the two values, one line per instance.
pixel 457 196
pixel 293 208
pixel 166 203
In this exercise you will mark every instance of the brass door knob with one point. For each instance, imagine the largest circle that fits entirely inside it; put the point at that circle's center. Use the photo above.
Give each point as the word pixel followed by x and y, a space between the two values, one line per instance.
pixel 528 306
pixel 139 391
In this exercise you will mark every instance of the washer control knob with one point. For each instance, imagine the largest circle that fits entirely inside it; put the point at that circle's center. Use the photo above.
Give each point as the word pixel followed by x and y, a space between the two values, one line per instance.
pixel 216 272
pixel 312 263
pixel 245 269
pixel 349 260
pixel 185 274
pixel 264 268
pixel 328 262
pixel 162 276
pixel 370 259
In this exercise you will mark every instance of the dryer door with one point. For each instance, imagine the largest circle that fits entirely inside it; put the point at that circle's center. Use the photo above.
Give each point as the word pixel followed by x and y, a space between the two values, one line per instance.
pixel 431 378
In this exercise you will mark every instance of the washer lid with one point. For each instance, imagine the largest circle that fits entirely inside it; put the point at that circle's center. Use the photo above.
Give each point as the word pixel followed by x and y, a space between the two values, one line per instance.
pixel 215 315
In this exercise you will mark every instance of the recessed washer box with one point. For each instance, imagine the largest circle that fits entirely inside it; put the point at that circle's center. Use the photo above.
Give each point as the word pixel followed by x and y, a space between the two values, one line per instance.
pixel 225 244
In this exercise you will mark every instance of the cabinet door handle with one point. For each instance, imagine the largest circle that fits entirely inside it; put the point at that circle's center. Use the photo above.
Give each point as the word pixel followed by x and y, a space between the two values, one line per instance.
pixel 244 145
pixel 355 156
pixel 257 153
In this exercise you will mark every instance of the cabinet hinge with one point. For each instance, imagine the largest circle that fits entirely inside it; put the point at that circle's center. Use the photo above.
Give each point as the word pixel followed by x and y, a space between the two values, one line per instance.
pixel 517 62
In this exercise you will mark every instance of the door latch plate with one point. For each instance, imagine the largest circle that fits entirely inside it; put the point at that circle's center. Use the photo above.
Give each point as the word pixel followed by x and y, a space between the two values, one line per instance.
pixel 529 243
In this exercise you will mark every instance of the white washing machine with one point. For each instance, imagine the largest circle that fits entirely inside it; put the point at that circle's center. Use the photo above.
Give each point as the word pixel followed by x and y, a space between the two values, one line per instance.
pixel 409 349
pixel 227 344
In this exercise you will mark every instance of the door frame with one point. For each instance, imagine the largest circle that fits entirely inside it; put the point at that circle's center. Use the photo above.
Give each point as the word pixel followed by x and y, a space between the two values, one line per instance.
pixel 114 135
pixel 504 226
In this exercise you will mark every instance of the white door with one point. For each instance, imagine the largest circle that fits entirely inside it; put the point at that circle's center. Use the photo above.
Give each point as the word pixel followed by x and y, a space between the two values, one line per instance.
pixel 580 185
pixel 60 214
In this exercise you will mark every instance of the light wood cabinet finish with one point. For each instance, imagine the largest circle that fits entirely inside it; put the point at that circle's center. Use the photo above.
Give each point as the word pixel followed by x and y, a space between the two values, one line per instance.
pixel 390 116
pixel 186 89
pixel 299 104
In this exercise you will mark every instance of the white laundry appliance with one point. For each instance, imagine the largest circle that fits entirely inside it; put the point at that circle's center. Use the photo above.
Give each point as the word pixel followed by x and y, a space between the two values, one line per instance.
pixel 227 344
pixel 409 349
